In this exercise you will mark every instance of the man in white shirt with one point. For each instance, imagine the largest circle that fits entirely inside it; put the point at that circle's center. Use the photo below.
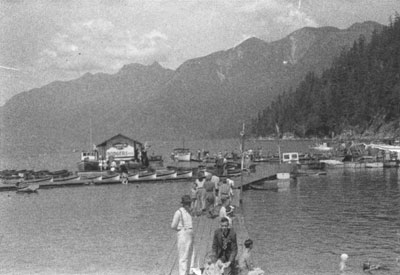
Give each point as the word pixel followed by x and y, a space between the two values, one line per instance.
pixel 182 222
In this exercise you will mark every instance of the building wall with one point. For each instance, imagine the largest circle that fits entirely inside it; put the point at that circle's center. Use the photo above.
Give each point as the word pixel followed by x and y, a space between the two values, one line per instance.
pixel 118 142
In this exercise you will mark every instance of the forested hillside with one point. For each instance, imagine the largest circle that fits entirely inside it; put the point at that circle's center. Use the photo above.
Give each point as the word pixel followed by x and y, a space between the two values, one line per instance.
pixel 359 93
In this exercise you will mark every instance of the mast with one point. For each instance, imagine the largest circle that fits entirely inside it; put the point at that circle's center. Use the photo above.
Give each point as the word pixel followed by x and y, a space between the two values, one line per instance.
pixel 279 145
pixel 242 161
pixel 90 135
pixel 242 146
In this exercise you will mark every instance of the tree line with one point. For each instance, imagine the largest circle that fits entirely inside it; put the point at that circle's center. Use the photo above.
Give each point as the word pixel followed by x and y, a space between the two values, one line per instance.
pixel 361 88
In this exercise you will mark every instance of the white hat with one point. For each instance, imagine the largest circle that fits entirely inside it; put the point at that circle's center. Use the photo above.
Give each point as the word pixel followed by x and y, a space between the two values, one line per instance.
pixel 344 257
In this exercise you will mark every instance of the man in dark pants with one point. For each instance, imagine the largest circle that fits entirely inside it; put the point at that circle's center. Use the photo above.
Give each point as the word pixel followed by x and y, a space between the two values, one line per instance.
pixel 225 245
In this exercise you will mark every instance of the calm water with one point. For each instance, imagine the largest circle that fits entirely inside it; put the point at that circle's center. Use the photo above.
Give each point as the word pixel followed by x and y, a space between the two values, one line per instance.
pixel 125 229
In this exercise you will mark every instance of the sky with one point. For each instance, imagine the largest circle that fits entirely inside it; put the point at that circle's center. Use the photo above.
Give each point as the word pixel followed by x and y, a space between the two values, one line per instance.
pixel 47 40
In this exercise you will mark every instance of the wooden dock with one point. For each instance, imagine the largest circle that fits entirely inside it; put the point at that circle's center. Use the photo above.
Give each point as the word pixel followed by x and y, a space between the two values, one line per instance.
pixel 204 228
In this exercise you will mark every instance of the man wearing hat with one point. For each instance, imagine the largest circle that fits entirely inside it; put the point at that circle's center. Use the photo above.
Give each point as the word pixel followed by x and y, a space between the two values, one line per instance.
pixel 182 223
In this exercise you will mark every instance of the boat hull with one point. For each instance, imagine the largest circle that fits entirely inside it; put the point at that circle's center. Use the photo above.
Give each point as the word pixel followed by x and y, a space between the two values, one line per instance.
pixel 147 176
pixel 166 174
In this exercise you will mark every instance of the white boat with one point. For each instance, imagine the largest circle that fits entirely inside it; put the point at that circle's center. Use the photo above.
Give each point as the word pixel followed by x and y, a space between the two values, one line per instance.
pixel 147 175
pixel 290 158
pixel 111 177
pixel 181 154
pixel 32 188
pixel 374 164
pixel 283 176
pixel 133 176
pixel 322 147
pixel 66 179
pixel 166 174
pixel 93 178
pixel 332 163
pixel 184 174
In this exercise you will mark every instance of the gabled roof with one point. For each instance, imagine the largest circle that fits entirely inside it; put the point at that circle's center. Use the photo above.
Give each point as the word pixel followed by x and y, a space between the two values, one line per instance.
pixel 117 136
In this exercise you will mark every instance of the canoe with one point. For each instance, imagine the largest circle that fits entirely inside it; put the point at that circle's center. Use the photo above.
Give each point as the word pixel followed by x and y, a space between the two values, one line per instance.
pixel 166 174
pixel 29 189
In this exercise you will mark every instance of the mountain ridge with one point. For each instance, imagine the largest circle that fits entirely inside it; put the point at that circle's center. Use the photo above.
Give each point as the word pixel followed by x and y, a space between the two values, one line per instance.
pixel 209 96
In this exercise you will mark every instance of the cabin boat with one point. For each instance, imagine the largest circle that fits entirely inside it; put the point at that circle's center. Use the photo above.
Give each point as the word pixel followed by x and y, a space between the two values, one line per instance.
pixel 88 162
pixel 181 154
pixel 290 158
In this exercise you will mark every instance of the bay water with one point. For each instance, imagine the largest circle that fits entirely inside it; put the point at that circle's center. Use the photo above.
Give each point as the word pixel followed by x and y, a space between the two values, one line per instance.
pixel 124 229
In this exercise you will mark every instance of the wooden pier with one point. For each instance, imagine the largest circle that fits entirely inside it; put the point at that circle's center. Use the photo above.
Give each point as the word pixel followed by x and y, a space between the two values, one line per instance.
pixel 204 228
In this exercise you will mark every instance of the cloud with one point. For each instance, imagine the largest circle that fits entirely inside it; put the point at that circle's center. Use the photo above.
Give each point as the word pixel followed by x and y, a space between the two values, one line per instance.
pixel 97 45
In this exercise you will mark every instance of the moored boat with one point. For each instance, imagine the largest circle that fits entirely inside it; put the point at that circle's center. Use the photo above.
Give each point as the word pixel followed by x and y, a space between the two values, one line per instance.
pixel 110 177
pixel 184 174
pixel 34 181
pixel 166 174
pixel 31 188
pixel 181 154
pixel 133 176
pixel 147 175
pixel 66 179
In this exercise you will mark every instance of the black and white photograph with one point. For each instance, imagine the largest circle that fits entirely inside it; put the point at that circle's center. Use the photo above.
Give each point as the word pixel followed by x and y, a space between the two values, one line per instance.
pixel 200 137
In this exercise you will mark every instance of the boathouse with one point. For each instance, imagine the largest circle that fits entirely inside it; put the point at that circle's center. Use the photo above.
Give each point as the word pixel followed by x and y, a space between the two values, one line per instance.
pixel 119 147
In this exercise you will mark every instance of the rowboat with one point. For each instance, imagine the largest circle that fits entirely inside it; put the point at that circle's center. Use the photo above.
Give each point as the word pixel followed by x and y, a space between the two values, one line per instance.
pixel 28 189
pixel 110 177
pixel 93 178
pixel 133 176
pixel 147 175
pixel 184 174
pixel 166 174
pixel 262 188
pixel 65 179
pixel 35 181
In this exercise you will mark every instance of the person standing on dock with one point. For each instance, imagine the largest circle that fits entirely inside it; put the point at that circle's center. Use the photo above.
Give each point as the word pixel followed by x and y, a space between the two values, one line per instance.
pixel 225 245
pixel 182 223
pixel 201 192
pixel 209 186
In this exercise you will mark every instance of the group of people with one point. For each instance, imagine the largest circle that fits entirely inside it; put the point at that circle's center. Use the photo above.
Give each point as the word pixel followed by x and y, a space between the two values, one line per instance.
pixel 222 258
pixel 210 195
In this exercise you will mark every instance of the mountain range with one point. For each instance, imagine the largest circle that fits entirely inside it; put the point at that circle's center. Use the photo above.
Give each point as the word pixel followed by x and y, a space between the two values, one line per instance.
pixel 205 97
